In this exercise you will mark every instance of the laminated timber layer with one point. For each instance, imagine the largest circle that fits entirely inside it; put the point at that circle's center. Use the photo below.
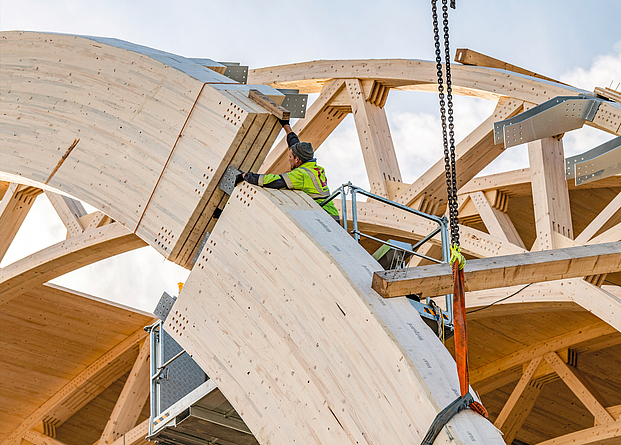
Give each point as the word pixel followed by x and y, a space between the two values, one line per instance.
pixel 100 119
pixel 298 346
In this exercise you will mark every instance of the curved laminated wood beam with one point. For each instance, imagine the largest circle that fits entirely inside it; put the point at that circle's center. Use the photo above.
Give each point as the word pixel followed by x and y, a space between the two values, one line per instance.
pixel 601 303
pixel 538 349
pixel 85 386
pixel 278 311
pixel 601 434
pixel 66 256
pixel 147 150
pixel 419 75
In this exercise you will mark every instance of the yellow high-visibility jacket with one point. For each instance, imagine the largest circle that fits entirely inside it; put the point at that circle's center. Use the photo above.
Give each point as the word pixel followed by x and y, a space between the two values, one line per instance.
pixel 308 177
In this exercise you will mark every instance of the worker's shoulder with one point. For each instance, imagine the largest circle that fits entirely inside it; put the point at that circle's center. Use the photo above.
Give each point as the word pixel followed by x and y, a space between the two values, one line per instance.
pixel 310 164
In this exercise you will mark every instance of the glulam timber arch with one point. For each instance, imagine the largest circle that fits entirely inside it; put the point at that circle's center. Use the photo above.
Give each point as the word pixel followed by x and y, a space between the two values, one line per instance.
pixel 100 119
pixel 144 137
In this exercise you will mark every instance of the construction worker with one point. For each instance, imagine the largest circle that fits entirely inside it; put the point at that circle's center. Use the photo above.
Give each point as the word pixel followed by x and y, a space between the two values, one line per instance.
pixel 305 174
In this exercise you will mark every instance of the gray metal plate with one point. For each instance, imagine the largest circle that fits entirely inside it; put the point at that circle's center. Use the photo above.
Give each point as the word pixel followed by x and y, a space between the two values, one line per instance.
pixel 603 166
pixel 551 118
pixel 236 72
pixel 570 171
pixel 164 306
pixel 227 183
pixel 295 102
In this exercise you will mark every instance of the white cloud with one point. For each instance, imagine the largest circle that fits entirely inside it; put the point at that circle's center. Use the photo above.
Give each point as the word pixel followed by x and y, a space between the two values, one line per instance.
pixel 135 278
pixel 605 71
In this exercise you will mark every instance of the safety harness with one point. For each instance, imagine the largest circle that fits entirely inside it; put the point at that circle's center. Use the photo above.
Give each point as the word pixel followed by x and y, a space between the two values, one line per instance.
pixel 457 261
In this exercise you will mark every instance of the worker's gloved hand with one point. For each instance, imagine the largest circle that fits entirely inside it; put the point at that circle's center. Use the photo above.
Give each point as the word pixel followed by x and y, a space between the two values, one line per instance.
pixel 239 178
pixel 283 122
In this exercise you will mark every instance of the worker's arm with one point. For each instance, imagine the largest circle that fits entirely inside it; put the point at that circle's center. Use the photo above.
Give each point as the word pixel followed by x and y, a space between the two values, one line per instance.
pixel 292 138
pixel 269 180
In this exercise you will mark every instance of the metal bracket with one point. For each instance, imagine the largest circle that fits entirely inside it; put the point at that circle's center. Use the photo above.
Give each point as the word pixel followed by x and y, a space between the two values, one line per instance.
pixel 551 118
pixel 227 183
pixel 164 306
pixel 574 165
pixel 603 166
pixel 295 102
pixel 235 71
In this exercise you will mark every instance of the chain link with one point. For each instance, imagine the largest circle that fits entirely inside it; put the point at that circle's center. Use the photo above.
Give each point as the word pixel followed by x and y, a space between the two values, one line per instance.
pixel 446 108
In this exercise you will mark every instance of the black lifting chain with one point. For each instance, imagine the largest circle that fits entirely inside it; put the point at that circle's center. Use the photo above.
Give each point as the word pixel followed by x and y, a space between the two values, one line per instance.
pixel 447 108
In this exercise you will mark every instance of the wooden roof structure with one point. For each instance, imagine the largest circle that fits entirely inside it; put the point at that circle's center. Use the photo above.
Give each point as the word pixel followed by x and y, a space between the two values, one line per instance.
pixel 145 137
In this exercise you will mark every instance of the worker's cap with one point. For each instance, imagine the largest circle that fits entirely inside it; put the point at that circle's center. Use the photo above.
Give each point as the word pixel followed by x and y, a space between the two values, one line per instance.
pixel 303 150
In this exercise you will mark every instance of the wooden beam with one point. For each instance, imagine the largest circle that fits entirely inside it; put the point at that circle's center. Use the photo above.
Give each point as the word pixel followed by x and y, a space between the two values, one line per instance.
pixel 14 206
pixel 599 435
pixel 80 383
pixel 37 438
pixel 94 220
pixel 537 295
pixel 550 193
pixel 277 110
pixel 472 155
pixel 321 119
pixel 610 235
pixel 471 57
pixel 134 436
pixel 497 222
pixel 538 349
pixel 378 150
pixel 489 273
pixel 520 403
pixel 61 258
pixel 596 300
pixel 69 210
pixel 581 391
pixel 131 400
pixel 602 218
pixel 614 411
pixel 608 93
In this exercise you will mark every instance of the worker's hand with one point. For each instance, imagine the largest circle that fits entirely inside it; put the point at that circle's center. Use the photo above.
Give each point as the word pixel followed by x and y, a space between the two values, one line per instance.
pixel 283 122
pixel 239 178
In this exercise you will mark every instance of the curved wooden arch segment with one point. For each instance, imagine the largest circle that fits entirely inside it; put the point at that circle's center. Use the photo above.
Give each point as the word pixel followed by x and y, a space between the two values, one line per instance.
pixel 279 312
pixel 142 135
pixel 66 256
pixel 61 349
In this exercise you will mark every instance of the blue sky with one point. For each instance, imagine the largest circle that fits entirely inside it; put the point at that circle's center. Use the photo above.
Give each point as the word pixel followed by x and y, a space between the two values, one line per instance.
pixel 578 42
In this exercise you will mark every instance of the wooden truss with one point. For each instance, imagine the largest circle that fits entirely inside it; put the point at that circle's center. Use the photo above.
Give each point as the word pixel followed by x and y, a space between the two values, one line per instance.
pixel 303 348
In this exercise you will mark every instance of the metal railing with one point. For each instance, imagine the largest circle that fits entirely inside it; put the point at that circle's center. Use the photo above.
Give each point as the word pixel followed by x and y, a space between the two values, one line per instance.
pixel 442 229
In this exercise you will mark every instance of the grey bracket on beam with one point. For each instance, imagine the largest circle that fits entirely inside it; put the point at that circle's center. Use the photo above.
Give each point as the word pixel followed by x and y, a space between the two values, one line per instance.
pixel 164 306
pixel 294 102
pixel 235 71
pixel 603 166
pixel 570 171
pixel 551 118
pixel 227 183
